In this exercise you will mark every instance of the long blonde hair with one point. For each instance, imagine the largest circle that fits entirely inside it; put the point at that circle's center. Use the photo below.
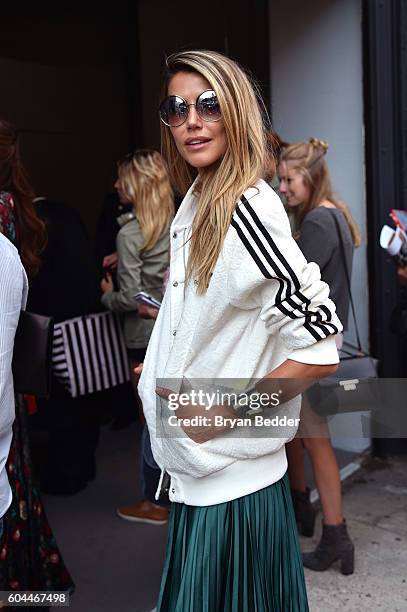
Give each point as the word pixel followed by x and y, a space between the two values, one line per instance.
pixel 309 159
pixel 243 163
pixel 145 182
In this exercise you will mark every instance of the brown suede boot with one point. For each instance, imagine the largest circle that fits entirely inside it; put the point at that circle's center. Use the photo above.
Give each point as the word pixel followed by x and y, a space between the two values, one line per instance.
pixel 335 544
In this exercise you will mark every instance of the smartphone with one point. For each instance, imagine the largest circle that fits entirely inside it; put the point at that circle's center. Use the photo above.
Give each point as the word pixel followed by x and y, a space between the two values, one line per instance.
pixel 144 298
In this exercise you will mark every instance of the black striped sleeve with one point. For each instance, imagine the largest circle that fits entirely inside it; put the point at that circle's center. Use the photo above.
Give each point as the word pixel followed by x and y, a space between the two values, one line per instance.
pixel 273 264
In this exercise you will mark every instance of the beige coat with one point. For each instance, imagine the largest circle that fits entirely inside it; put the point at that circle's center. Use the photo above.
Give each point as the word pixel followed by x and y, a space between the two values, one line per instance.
pixel 137 271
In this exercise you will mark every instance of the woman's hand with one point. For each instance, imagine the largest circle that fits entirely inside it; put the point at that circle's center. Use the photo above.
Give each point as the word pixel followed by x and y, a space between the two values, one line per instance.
pixel 147 312
pixel 138 369
pixel 204 428
pixel 106 284
pixel 110 261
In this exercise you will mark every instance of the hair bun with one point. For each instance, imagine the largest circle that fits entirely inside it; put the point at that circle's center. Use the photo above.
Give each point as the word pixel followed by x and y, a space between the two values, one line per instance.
pixel 319 144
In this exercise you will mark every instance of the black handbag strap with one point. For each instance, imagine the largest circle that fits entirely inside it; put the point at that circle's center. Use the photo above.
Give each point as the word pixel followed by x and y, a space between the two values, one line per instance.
pixel 342 247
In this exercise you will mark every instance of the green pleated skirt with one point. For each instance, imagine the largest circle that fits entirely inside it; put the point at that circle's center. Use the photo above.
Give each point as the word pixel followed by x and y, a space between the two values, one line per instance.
pixel 239 556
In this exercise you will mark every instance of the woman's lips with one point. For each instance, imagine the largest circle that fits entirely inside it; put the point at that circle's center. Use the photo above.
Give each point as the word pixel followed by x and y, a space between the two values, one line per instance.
pixel 197 144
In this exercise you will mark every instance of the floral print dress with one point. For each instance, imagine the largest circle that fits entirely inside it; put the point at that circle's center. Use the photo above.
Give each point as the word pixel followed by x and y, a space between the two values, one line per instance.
pixel 29 555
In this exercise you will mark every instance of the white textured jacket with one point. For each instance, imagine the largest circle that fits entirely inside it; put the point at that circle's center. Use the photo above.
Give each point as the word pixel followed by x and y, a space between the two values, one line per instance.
pixel 264 304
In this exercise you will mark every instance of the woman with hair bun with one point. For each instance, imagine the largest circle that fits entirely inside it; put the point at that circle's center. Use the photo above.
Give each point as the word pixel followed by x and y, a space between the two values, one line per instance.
pixel 319 216
pixel 227 314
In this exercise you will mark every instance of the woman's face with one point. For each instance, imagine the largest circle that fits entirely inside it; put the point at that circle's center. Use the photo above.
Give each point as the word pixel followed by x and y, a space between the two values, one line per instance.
pixel 200 143
pixel 292 185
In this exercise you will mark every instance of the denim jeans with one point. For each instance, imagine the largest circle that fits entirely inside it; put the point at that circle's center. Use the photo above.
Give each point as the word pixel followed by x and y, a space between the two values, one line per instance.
pixel 149 471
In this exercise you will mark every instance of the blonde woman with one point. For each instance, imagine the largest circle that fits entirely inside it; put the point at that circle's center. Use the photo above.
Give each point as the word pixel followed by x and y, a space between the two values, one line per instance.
pixel 305 181
pixel 232 542
pixel 142 250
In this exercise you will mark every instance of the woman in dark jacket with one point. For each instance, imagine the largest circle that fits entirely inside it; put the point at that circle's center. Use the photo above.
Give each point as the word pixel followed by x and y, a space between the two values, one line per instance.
pixel 66 287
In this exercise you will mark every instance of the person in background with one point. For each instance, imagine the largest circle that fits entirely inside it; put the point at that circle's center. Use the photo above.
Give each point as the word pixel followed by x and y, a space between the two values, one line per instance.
pixel 13 297
pixel 305 182
pixel 29 556
pixel 232 541
pixel 116 405
pixel 107 229
pixel 142 259
pixel 65 287
pixel 275 144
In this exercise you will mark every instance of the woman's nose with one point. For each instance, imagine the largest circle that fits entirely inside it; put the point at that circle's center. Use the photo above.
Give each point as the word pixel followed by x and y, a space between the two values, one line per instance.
pixel 193 119
pixel 282 187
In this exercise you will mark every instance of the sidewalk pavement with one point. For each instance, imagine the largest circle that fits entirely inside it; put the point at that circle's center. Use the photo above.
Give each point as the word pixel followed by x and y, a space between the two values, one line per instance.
pixel 117 565
pixel 375 504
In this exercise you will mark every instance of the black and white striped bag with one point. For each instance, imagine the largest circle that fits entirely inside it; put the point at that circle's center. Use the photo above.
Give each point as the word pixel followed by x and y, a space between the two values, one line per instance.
pixel 89 353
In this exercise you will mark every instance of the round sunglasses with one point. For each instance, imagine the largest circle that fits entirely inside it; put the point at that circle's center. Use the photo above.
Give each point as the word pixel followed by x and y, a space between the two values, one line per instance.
pixel 174 109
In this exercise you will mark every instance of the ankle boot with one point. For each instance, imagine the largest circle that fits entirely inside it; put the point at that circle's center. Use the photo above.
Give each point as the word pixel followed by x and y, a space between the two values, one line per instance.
pixel 334 544
pixel 305 512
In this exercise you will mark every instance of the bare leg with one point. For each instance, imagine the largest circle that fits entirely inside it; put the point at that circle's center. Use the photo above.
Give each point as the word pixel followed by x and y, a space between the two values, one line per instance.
pixel 296 470
pixel 314 436
pixel 310 424
pixel 327 478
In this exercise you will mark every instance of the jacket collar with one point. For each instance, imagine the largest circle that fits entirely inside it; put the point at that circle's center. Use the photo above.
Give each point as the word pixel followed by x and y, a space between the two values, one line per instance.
pixel 187 210
pixel 125 218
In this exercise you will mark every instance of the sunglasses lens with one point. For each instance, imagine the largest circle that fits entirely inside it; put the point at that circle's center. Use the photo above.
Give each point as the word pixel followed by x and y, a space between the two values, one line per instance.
pixel 173 111
pixel 208 106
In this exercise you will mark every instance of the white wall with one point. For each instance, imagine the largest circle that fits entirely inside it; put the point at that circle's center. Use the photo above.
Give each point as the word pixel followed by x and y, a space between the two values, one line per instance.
pixel 316 83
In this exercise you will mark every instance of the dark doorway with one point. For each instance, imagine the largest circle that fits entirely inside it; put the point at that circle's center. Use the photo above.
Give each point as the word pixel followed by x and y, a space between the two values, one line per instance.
pixel 66 85
pixel 83 84
pixel 238 29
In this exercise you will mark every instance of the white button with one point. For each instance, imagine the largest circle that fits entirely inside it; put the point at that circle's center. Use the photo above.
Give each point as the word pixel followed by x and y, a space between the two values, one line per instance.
pixel 174 333
pixel 175 284
pixel 172 490
pixel 174 235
